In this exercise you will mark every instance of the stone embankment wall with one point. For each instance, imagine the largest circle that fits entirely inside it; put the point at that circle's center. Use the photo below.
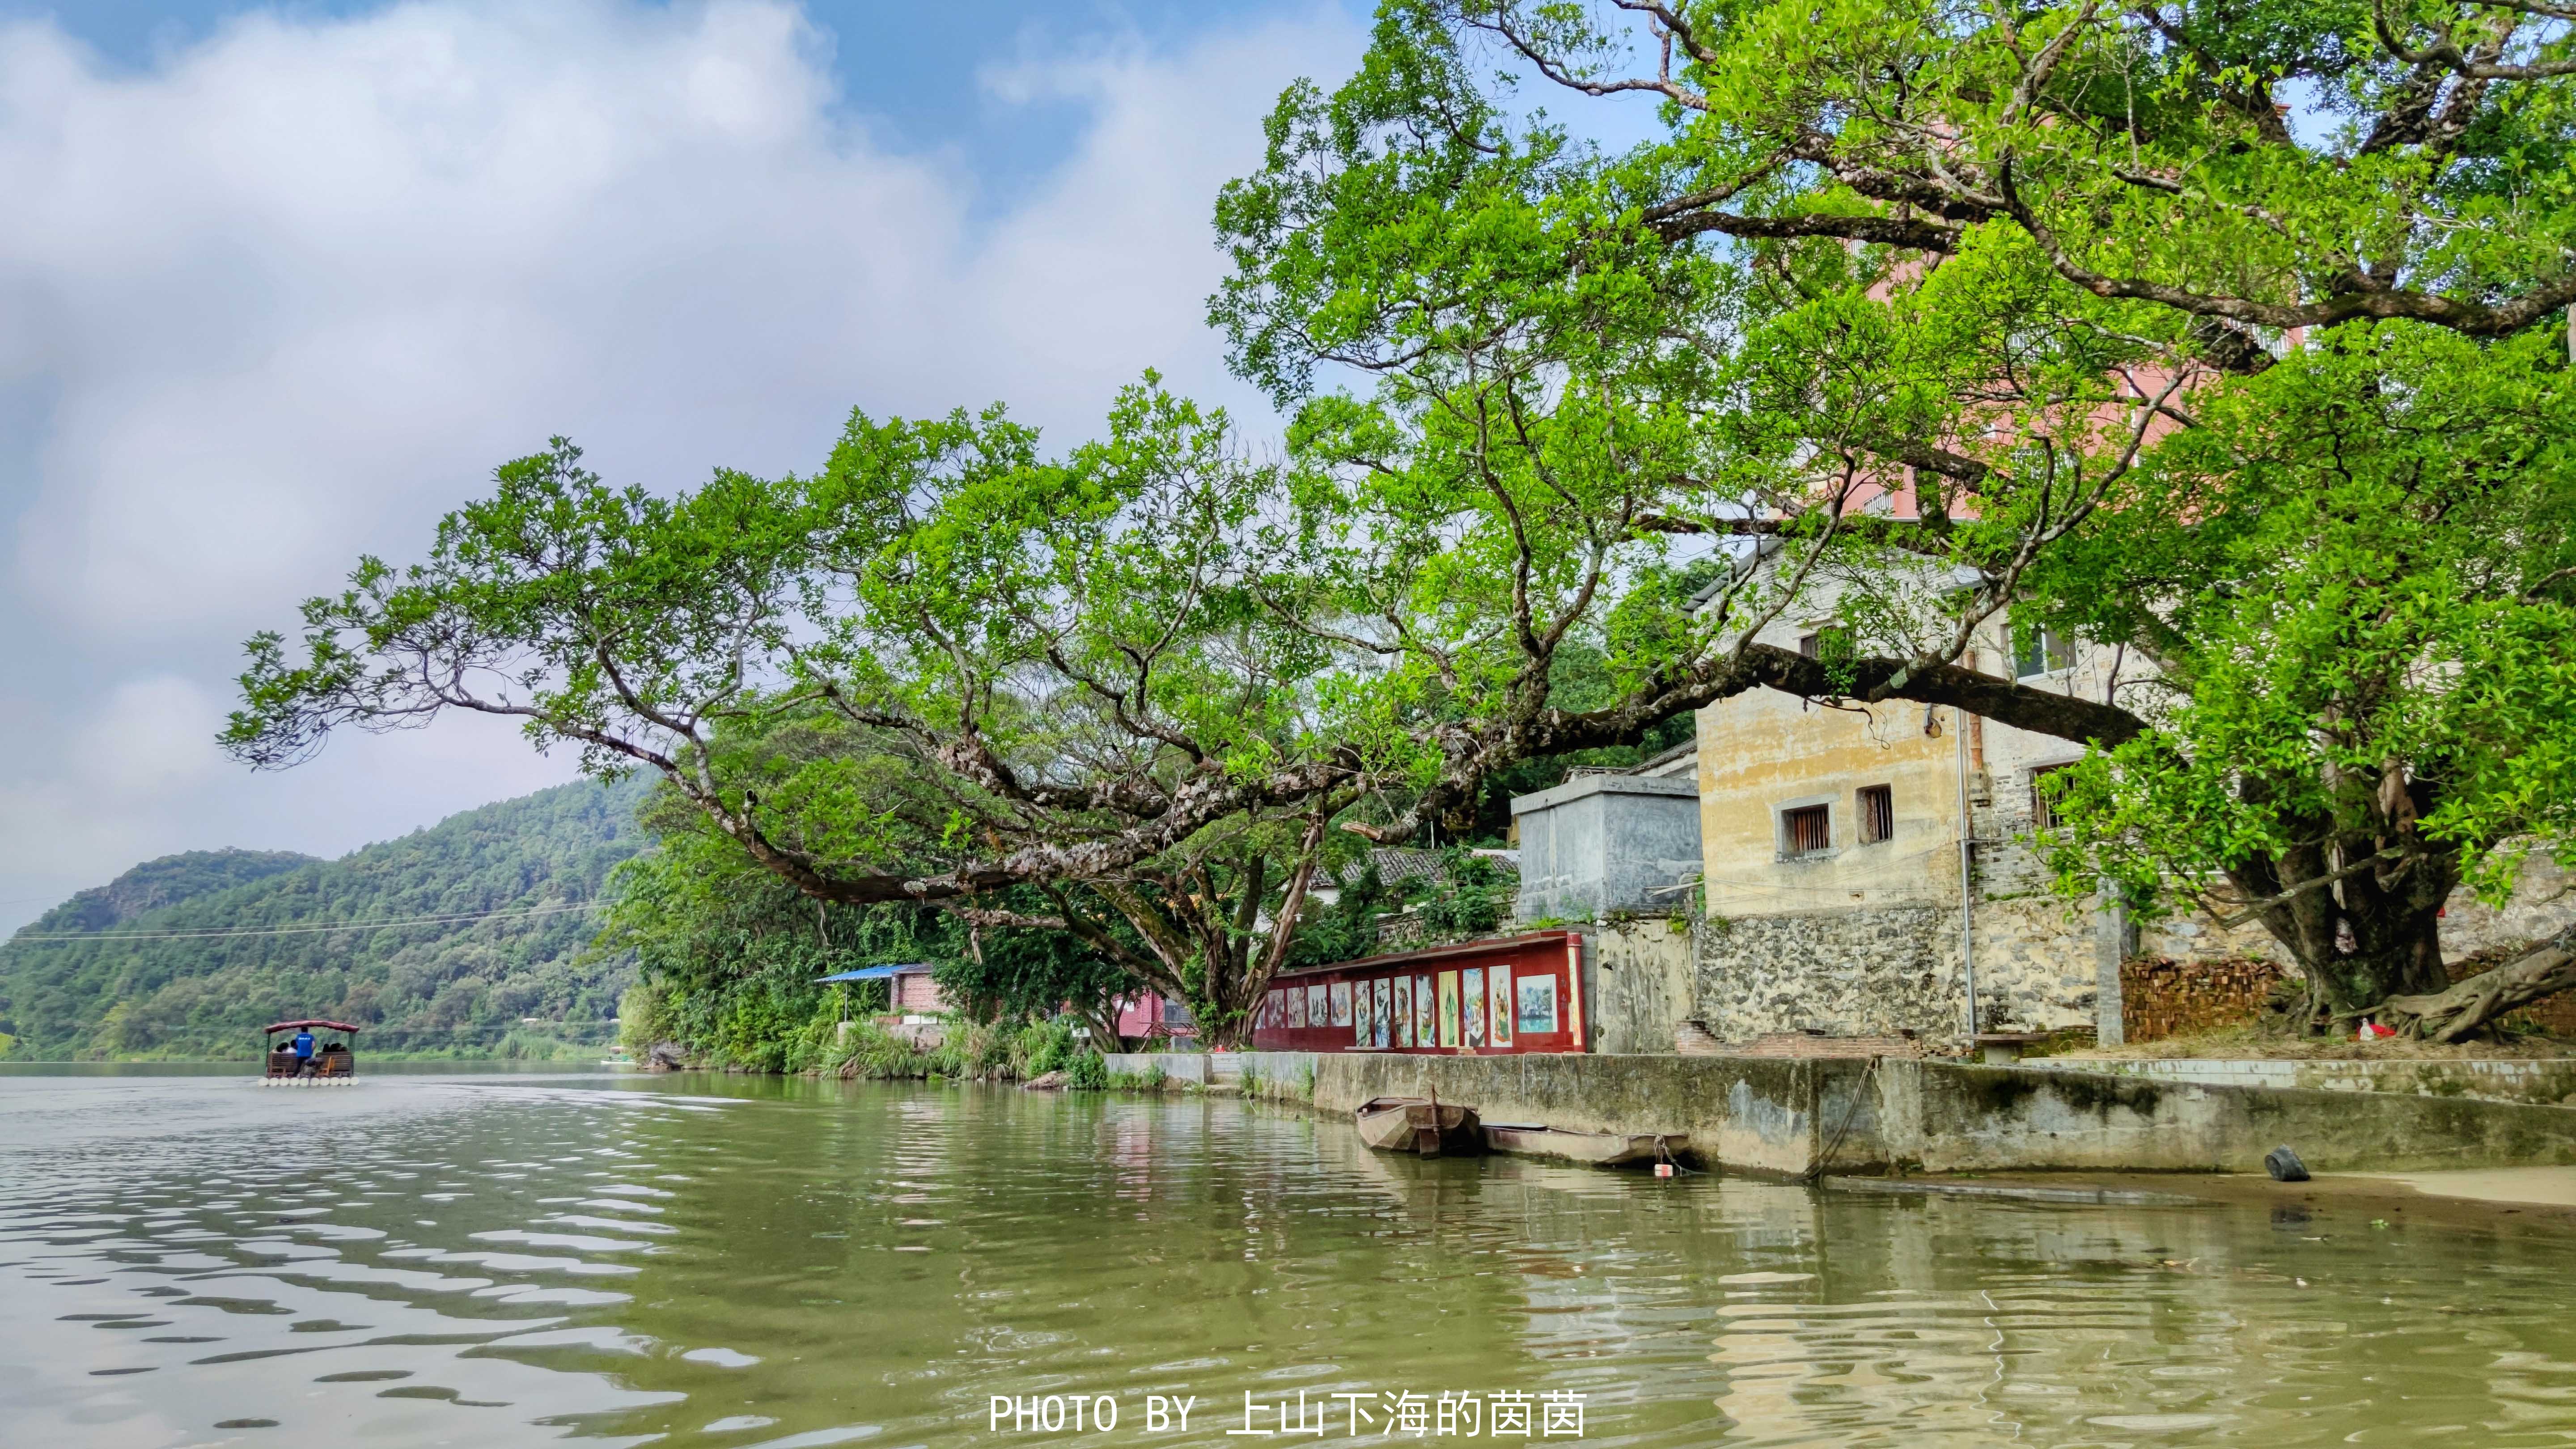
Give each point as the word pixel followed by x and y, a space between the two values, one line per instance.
pixel 1795 1117
pixel 1879 970
pixel 2546 1081
pixel 1938 1117
pixel 1872 970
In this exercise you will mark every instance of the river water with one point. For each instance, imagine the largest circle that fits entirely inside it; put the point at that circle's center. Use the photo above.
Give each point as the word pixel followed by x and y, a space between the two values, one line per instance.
pixel 490 1260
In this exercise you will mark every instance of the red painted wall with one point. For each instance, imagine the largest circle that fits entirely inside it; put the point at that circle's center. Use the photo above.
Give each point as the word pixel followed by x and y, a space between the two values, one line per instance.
pixel 1541 1009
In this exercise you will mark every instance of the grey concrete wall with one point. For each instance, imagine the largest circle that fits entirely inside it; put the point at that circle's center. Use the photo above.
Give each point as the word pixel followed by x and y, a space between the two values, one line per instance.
pixel 1750 1113
pixel 1789 1117
pixel 1599 844
pixel 1639 985
pixel 2550 1082
pixel 1940 1117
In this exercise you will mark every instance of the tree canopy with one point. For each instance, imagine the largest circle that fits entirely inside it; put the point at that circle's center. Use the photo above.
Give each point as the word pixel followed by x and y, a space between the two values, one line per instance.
pixel 2220 335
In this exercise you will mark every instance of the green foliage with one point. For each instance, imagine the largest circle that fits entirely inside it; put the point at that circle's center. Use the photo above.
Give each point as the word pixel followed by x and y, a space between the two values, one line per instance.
pixel 1087 1072
pixel 1470 898
pixel 1347 929
pixel 165 882
pixel 443 989
pixel 1980 318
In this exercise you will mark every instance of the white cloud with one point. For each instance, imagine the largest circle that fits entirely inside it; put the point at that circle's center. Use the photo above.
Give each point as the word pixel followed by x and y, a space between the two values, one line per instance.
pixel 290 293
pixel 150 736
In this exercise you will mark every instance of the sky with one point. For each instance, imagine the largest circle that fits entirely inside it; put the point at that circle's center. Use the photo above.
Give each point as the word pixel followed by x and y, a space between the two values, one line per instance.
pixel 279 285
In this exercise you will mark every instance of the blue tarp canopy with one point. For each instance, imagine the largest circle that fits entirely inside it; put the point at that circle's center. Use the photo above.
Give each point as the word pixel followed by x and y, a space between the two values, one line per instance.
pixel 872 973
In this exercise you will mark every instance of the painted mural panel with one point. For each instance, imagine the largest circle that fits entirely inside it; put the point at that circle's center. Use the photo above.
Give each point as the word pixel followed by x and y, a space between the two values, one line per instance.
pixel 1296 1007
pixel 1448 1008
pixel 1319 1011
pixel 1471 1007
pixel 1385 999
pixel 1538 1003
pixel 1341 1003
pixel 1359 1013
pixel 1424 1033
pixel 1404 1011
pixel 1498 990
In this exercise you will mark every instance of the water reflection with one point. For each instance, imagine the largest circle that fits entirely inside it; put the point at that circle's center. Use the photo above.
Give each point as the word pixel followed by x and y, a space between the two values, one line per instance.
pixel 517 1259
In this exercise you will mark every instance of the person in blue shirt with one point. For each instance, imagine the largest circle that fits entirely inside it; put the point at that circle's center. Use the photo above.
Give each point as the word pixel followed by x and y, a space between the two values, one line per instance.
pixel 303 1049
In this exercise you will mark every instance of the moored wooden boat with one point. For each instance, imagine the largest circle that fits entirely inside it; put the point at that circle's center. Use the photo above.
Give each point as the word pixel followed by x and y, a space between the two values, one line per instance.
pixel 1419 1124
pixel 1598 1149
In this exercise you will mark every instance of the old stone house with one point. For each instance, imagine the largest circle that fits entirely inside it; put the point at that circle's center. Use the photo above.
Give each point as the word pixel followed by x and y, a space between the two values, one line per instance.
pixel 1866 871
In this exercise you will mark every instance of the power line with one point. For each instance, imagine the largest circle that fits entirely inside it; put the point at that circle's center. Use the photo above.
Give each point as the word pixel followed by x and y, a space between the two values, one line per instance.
pixel 225 933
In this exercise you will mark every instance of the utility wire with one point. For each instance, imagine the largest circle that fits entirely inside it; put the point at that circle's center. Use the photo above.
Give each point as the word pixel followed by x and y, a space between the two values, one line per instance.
pixel 462 918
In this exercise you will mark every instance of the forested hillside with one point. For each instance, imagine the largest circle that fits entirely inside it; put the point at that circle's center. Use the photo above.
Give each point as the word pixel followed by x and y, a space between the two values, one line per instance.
pixel 146 986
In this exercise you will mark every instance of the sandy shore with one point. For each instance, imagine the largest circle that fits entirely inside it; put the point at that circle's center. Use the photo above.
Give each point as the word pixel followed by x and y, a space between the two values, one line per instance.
pixel 2539 1197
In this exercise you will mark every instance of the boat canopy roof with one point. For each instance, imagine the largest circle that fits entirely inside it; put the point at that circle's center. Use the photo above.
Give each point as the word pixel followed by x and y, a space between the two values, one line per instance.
pixel 878 973
pixel 316 1021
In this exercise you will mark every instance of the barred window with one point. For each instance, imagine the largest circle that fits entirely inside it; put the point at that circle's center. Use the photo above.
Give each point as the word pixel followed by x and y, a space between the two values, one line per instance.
pixel 1877 813
pixel 2043 814
pixel 1807 831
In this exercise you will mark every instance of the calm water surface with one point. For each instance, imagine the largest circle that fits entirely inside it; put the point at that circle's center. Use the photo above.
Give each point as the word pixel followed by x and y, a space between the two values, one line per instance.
pixel 493 1260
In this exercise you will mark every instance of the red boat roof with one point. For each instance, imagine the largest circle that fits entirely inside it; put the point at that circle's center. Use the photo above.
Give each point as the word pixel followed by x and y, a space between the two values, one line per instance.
pixel 292 1025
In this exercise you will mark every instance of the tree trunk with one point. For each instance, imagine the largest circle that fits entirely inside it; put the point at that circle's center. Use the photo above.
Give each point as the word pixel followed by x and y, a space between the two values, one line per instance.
pixel 2359 938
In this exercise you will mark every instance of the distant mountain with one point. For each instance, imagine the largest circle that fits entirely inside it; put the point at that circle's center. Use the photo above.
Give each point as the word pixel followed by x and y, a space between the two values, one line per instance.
pixel 165 882
pixel 145 975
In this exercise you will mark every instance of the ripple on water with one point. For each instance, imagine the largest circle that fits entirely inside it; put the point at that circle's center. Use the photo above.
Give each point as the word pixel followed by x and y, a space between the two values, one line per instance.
pixel 1126 1246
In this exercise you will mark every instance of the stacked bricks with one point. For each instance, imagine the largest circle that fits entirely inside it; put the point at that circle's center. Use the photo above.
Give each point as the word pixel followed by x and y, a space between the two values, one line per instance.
pixel 2161 998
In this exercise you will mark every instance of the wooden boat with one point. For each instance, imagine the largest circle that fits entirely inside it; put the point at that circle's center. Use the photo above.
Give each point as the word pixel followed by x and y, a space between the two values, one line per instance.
pixel 1419 1124
pixel 333 1065
pixel 1597 1149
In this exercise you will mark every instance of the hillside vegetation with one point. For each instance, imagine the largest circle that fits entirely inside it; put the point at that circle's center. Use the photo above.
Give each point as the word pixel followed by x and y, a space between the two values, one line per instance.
pixel 509 986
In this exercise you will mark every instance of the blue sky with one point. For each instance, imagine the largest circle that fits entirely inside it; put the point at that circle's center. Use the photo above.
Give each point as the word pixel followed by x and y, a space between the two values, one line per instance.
pixel 280 285
pixel 910 69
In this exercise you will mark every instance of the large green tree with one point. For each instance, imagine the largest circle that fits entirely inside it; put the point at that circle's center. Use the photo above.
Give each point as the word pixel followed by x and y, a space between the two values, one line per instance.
pixel 2223 334
pixel 1942 312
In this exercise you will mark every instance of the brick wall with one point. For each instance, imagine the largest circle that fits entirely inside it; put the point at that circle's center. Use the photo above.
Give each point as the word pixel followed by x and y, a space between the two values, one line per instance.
pixel 2161 998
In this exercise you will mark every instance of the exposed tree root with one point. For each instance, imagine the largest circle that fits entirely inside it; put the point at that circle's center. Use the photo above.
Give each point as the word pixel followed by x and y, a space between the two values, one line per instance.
pixel 2449 1016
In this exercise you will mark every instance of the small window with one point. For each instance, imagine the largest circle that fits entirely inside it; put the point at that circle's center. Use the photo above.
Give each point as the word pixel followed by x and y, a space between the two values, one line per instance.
pixel 1831 642
pixel 1877 813
pixel 1808 831
pixel 2041 651
pixel 2043 815
pixel 1812 645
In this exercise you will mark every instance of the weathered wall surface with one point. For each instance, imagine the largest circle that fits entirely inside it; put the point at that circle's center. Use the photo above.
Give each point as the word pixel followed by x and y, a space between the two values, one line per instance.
pixel 1868 972
pixel 2162 998
pixel 1639 980
pixel 1602 843
pixel 1941 1117
pixel 2541 1081
pixel 1790 1117
pixel 1750 1113
pixel 1794 1116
